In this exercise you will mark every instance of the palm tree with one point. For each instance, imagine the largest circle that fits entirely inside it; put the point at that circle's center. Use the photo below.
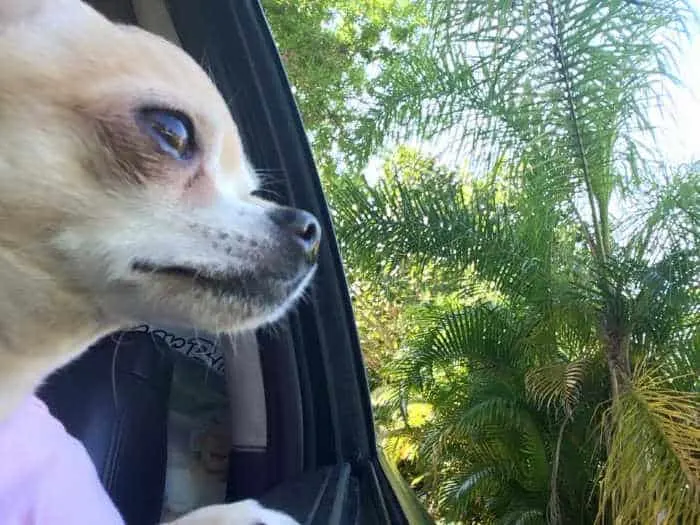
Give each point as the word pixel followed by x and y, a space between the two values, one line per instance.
pixel 603 332
pixel 486 454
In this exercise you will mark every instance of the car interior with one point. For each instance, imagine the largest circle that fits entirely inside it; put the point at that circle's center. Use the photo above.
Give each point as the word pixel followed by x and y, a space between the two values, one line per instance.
pixel 174 418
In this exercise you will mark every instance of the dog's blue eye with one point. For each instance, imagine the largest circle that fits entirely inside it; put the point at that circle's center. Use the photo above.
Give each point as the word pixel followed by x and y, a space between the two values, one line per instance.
pixel 172 130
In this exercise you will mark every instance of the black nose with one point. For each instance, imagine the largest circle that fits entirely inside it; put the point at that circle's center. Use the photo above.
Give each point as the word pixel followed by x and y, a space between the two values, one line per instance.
pixel 303 226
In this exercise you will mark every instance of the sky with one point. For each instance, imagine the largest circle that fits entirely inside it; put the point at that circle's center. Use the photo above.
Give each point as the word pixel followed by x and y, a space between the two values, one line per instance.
pixel 681 141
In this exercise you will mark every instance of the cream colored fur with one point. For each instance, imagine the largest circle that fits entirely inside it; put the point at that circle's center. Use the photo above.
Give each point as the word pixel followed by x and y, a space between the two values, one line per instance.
pixel 84 195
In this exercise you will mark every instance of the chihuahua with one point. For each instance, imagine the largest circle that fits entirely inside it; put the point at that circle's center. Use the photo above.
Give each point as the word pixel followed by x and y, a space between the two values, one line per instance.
pixel 126 196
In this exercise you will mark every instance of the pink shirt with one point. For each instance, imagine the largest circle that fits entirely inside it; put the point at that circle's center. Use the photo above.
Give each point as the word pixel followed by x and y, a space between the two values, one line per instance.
pixel 46 476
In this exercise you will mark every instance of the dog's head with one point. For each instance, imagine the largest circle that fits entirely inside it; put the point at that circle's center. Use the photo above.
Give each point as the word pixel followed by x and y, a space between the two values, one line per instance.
pixel 123 182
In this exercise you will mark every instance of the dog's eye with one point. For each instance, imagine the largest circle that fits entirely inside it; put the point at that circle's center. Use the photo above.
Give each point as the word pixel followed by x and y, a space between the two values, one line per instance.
pixel 172 130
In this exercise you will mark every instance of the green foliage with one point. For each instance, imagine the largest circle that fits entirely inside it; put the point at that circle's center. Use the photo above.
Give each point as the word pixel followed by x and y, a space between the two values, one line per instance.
pixel 470 359
pixel 524 75
pixel 561 87
pixel 485 451
pixel 536 358
pixel 330 49
pixel 524 346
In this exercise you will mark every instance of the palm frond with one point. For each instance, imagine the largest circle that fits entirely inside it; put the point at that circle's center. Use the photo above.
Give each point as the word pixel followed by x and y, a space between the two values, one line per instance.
pixel 562 86
pixel 481 335
pixel 557 386
pixel 522 517
pixel 444 223
pixel 473 485
pixel 652 473
pixel 665 213
pixel 492 418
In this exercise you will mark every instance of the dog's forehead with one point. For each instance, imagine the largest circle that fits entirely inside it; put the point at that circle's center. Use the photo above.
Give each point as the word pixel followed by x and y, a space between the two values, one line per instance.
pixel 129 68
pixel 77 58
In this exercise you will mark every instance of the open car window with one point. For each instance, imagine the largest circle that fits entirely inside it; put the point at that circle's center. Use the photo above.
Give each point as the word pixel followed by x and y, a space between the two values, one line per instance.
pixel 319 432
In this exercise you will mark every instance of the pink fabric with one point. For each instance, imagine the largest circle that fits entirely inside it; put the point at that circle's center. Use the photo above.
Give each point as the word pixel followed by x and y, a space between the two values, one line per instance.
pixel 46 476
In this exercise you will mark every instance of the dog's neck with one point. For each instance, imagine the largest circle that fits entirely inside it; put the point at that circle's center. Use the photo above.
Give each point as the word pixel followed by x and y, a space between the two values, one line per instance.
pixel 41 329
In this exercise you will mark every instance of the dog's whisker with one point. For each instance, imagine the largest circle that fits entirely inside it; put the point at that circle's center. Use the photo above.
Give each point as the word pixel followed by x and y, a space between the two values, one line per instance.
pixel 268 178
pixel 231 98
pixel 205 63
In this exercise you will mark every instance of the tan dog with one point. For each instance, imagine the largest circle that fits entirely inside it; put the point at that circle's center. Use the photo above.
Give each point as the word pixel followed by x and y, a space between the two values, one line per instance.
pixel 125 196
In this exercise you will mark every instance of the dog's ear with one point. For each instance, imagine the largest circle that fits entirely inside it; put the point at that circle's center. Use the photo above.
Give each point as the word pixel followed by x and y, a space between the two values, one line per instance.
pixel 17 11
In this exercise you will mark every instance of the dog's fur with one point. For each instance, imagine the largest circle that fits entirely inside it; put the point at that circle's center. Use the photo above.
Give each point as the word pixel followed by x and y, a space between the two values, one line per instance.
pixel 86 196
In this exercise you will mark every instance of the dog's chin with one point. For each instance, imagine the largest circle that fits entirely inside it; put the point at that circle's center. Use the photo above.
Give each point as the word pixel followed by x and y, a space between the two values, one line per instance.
pixel 212 301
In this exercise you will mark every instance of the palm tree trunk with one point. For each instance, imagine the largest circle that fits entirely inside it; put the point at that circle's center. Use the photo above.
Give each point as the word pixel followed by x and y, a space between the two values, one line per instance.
pixel 553 512
pixel 617 356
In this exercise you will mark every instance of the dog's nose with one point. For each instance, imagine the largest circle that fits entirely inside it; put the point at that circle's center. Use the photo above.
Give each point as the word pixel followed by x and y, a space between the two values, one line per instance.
pixel 303 226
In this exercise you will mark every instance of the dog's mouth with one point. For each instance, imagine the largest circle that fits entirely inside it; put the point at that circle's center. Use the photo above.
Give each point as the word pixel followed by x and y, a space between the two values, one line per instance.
pixel 175 271
pixel 197 276
pixel 240 283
